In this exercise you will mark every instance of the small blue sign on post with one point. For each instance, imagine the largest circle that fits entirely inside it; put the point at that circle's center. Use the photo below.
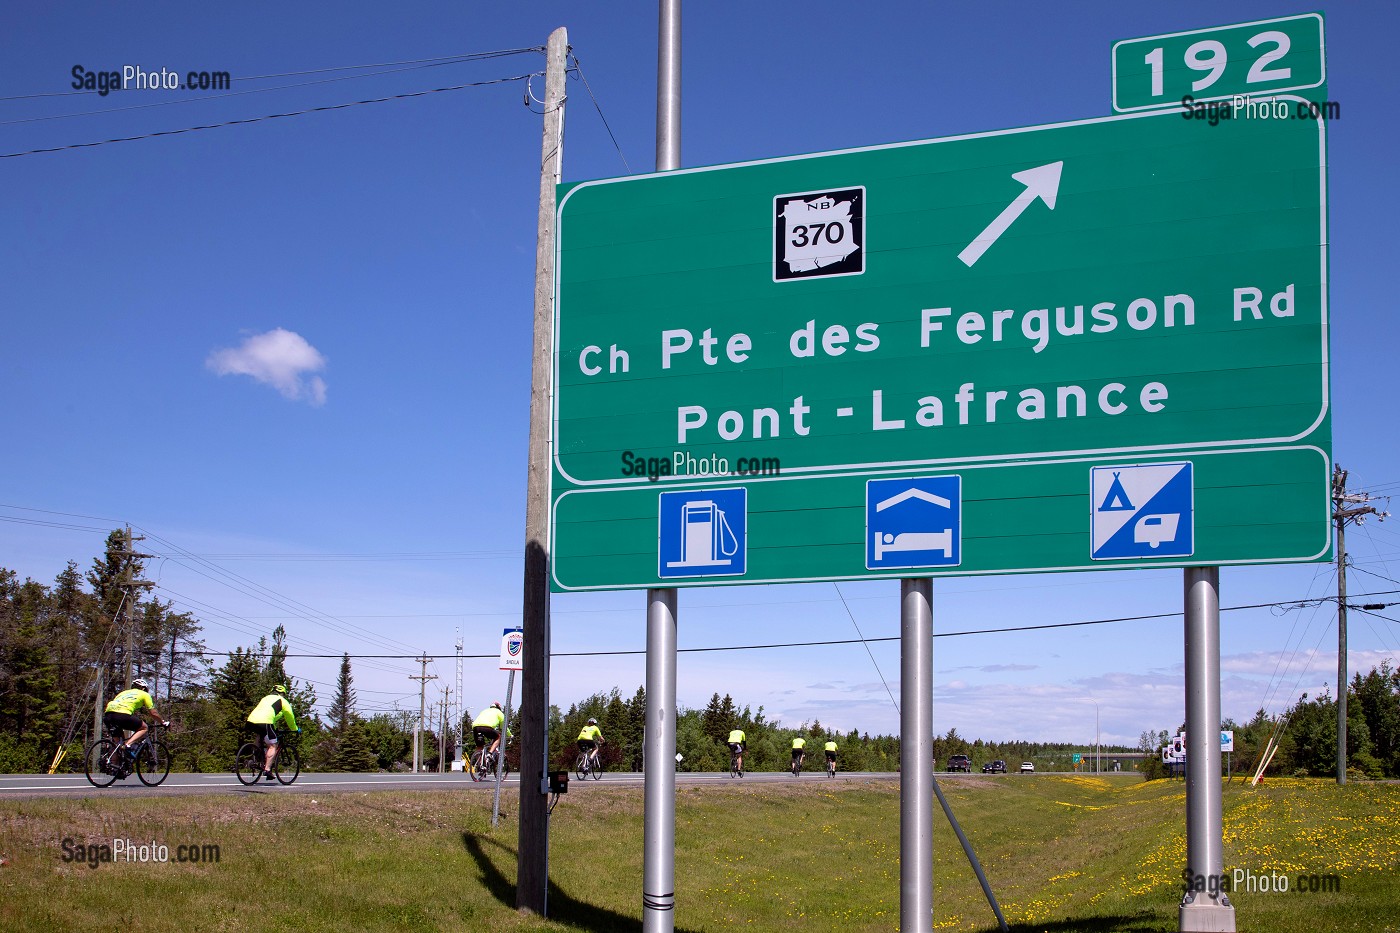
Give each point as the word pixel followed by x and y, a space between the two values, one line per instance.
pixel 702 533
pixel 1142 510
pixel 913 522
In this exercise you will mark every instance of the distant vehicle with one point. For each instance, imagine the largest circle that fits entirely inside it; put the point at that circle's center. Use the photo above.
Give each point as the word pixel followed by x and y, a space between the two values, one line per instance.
pixel 959 763
pixel 1028 767
pixel 994 767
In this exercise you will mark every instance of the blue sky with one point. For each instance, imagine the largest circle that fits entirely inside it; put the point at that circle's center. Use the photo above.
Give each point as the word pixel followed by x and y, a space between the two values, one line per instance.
pixel 296 352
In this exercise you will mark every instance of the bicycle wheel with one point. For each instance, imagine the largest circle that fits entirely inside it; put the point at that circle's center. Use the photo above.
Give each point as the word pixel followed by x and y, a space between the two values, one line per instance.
pixel 596 770
pixel 97 762
pixel 287 764
pixel 478 762
pixel 153 764
pixel 581 767
pixel 248 764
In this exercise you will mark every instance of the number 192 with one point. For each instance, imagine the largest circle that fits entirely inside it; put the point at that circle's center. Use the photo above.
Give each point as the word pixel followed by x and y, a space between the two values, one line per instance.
pixel 1209 56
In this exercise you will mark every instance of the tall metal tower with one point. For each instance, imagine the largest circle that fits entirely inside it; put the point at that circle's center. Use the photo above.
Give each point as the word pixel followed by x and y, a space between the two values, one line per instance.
pixel 457 703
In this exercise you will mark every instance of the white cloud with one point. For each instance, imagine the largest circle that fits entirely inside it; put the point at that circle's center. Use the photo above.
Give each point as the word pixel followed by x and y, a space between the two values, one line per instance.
pixel 280 358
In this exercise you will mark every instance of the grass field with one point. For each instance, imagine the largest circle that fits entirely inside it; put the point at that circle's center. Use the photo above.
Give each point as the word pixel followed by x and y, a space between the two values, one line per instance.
pixel 1062 853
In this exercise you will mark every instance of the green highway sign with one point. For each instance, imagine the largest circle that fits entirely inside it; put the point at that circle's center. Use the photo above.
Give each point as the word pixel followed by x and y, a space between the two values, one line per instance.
pixel 1127 290
pixel 1255 60
pixel 1256 506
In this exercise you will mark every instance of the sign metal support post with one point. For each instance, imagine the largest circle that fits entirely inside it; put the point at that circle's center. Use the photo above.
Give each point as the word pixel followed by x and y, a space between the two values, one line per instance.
pixel 659 737
pixel 659 765
pixel 916 755
pixel 501 758
pixel 1205 845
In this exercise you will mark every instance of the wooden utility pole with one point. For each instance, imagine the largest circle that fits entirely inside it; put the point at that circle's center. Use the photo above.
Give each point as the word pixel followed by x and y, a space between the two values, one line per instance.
pixel 532 858
pixel 1346 507
pixel 422 679
pixel 126 614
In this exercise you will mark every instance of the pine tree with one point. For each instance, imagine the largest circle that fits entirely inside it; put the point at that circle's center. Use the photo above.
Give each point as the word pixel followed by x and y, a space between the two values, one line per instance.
pixel 342 711
pixel 236 688
pixel 30 699
pixel 276 669
pixel 63 634
pixel 352 748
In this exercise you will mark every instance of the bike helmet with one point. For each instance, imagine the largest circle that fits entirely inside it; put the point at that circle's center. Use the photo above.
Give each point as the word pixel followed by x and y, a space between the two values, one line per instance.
pixel 140 684
pixel 593 722
pixel 280 688
pixel 496 706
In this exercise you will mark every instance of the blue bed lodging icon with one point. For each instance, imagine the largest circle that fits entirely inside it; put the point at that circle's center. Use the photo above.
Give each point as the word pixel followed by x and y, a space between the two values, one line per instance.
pixel 913 522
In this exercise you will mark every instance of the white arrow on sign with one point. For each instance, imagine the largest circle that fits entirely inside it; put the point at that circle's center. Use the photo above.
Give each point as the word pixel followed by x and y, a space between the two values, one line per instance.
pixel 1042 182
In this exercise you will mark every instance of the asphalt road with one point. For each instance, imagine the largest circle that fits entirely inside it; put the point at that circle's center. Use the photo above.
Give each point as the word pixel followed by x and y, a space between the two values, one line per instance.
pixel 76 785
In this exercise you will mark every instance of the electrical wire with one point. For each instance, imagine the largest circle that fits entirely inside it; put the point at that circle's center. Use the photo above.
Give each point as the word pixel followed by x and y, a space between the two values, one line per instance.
pixel 261 593
pixel 878 672
pixel 271 116
pixel 209 97
pixel 578 67
pixel 422 62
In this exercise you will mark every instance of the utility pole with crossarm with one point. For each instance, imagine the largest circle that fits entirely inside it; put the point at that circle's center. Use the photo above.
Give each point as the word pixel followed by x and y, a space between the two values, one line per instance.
pixel 1346 507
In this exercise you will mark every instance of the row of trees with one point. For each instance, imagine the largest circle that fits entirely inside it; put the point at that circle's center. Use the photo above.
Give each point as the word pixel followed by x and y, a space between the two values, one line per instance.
pixel 1307 744
pixel 58 642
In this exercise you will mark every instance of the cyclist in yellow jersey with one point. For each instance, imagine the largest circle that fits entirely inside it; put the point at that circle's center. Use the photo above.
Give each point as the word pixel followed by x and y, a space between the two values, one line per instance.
pixel 589 738
pixel 488 727
pixel 737 743
pixel 799 753
pixel 122 713
pixel 262 722
pixel 831 753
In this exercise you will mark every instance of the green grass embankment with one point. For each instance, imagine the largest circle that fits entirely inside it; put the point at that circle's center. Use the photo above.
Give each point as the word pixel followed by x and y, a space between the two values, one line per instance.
pixel 1062 853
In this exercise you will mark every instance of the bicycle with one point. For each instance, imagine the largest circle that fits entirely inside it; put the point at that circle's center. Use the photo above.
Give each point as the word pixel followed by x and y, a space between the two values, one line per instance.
pixel 587 765
pixel 797 764
pixel 734 769
pixel 483 764
pixel 831 767
pixel 247 765
pixel 150 758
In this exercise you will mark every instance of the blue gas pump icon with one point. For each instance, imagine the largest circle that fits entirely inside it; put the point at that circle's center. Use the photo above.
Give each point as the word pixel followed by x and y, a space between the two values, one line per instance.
pixel 702 533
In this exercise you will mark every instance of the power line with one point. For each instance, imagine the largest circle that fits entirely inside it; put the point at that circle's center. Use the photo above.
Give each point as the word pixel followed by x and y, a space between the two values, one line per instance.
pixel 1304 603
pixel 271 116
pixel 578 67
pixel 417 62
pixel 879 673
pixel 209 97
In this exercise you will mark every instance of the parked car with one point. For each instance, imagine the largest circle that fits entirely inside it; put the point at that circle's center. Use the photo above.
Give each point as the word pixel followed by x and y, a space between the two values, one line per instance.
pixel 1028 767
pixel 994 767
pixel 959 763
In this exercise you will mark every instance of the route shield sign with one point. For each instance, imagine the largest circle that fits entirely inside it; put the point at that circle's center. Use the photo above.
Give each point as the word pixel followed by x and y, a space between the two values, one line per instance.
pixel 1136 290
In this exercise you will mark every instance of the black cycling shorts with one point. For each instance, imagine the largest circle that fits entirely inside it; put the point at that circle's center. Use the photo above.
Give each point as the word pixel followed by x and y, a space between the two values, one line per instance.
pixel 483 735
pixel 586 745
pixel 797 753
pixel 736 747
pixel 263 730
pixel 129 722
pixel 830 756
